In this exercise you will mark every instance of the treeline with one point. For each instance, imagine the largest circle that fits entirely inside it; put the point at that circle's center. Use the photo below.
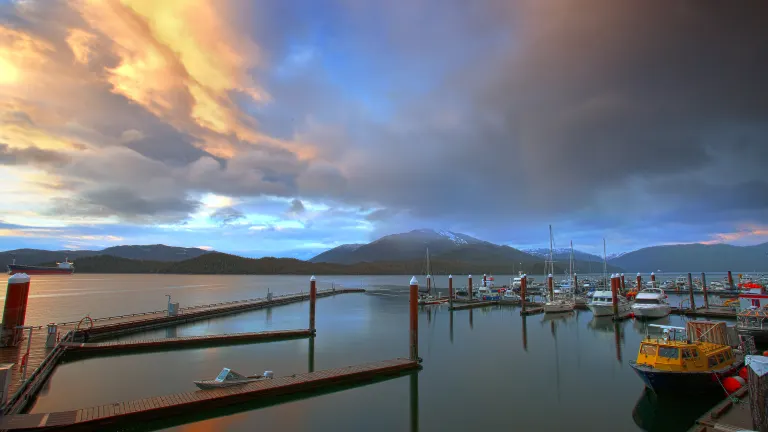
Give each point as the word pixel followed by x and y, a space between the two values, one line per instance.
pixel 220 263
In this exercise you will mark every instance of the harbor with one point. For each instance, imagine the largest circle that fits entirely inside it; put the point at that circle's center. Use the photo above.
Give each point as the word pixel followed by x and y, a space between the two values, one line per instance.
pixel 377 309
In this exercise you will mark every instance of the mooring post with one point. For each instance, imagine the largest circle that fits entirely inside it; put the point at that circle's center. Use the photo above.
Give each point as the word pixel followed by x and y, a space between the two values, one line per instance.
pixel 615 295
pixel 523 287
pixel 730 280
pixel 450 290
pixel 639 282
pixel 551 287
pixel 704 288
pixel 414 297
pixel 757 383
pixel 623 284
pixel 690 292
pixel 312 301
pixel 429 285
pixel 653 279
pixel 470 287
pixel 14 311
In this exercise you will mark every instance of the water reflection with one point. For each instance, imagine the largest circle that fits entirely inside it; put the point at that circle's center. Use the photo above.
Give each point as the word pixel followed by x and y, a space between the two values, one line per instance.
pixel 414 387
pixel 450 312
pixel 471 324
pixel 171 332
pixel 525 333
pixel 658 414
pixel 617 333
pixel 311 354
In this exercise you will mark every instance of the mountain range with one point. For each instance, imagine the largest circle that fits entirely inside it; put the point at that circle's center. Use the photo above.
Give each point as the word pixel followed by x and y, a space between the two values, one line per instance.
pixel 156 252
pixel 696 258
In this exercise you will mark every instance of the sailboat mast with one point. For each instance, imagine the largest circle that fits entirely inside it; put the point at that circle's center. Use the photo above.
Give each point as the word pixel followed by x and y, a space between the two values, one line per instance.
pixel 551 256
pixel 605 265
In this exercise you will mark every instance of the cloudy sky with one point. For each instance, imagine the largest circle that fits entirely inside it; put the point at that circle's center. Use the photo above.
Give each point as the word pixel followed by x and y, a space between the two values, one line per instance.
pixel 288 127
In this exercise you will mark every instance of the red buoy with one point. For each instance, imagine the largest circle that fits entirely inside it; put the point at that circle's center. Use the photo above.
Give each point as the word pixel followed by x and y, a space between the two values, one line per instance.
pixel 744 373
pixel 765 353
pixel 732 384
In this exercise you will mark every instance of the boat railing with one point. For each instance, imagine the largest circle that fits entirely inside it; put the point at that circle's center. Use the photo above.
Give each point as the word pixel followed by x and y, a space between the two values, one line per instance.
pixel 683 302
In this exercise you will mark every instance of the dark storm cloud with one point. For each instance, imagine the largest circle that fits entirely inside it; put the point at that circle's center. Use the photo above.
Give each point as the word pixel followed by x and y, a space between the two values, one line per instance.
pixel 296 207
pixel 126 204
pixel 31 155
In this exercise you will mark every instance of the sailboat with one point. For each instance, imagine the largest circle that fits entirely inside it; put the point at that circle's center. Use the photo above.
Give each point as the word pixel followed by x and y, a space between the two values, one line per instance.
pixel 555 304
pixel 426 299
pixel 601 303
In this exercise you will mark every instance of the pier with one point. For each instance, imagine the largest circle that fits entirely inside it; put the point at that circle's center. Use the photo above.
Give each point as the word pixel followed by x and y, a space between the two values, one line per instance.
pixel 111 415
pixel 41 360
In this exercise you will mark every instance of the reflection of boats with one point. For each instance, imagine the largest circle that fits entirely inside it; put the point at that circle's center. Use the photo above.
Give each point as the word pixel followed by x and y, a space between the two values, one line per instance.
pixel 651 303
pixel 602 304
pixel 229 378
pixel 674 364
pixel 654 413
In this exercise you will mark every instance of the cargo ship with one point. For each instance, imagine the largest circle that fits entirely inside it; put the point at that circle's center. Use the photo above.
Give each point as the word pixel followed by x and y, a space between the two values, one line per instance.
pixel 61 268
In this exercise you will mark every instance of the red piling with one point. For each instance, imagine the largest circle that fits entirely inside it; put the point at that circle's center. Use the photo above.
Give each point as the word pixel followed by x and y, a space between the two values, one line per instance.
pixel 551 287
pixel 450 290
pixel 615 295
pixel 523 287
pixel 704 288
pixel 690 292
pixel 623 284
pixel 470 287
pixel 16 296
pixel 639 282
pixel 414 297
pixel 312 301
pixel 653 280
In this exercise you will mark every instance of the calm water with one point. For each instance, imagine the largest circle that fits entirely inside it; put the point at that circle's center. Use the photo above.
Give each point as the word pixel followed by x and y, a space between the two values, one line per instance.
pixel 486 369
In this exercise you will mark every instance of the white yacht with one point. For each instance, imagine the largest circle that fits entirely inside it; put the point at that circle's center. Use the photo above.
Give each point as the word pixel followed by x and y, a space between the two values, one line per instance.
pixel 651 303
pixel 601 304
pixel 558 306
pixel 510 295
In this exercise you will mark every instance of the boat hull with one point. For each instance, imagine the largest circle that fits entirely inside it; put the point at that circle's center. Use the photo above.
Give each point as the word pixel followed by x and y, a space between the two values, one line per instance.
pixel 667 382
pixel 651 312
pixel 38 270
pixel 432 302
pixel 600 310
pixel 213 384
pixel 558 308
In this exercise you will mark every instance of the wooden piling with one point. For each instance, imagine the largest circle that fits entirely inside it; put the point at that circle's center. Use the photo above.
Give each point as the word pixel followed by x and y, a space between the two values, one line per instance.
pixel 615 295
pixel 690 292
pixel 312 301
pixel 523 287
pixel 450 290
pixel 639 282
pixel 623 283
pixel 704 288
pixel 414 297
pixel 758 392
pixel 469 289
pixel 730 280
pixel 551 287
pixel 653 280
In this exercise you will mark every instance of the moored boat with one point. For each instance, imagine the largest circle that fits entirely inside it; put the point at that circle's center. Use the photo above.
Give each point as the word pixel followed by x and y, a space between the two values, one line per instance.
pixel 228 378
pixel 61 268
pixel 676 364
pixel 558 306
pixel 601 304
pixel 651 303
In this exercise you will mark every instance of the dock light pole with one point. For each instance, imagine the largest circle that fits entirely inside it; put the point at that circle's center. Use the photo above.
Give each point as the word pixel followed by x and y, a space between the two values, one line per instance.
pixel 312 301
pixel 470 287
pixel 690 292
pixel 414 300
pixel 615 295
pixel 704 288
pixel 450 290
pixel 653 279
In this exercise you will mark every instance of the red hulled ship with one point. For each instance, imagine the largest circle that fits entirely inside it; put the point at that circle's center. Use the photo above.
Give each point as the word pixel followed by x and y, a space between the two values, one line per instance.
pixel 61 268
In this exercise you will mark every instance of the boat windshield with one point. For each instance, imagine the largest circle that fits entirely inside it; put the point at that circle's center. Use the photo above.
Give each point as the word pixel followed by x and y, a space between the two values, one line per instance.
pixel 223 375
pixel 647 301
pixel 669 352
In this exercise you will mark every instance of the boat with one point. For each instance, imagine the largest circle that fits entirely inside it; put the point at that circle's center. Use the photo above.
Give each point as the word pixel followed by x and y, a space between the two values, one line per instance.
pixel 674 364
pixel 651 303
pixel 752 320
pixel 559 302
pixel 601 304
pixel 228 378
pixel 426 298
pixel 61 268
pixel 510 295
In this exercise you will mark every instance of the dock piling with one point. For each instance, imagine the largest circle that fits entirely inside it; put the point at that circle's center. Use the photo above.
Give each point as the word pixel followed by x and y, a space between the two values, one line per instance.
pixel 14 311
pixel 653 280
pixel 312 301
pixel 523 287
pixel 469 289
pixel 704 288
pixel 639 282
pixel 414 300
pixel 623 283
pixel 450 290
pixel 615 295
pixel 690 292
pixel 551 287
pixel 730 280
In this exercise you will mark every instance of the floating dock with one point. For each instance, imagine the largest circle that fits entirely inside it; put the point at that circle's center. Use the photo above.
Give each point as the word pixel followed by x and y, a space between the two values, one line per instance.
pixel 711 312
pixel 42 360
pixel 111 415
pixel 472 305
pixel 731 415
pixel 186 341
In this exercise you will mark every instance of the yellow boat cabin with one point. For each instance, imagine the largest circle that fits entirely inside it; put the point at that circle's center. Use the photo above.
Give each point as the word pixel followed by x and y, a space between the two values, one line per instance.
pixel 684 356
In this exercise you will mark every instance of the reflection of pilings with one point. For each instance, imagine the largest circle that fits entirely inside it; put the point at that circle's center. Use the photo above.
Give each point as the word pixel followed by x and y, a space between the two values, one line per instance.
pixel 451 324
pixel 617 333
pixel 525 333
pixel 557 360
pixel 269 316
pixel 471 324
pixel 429 315
pixel 414 402
pixel 311 354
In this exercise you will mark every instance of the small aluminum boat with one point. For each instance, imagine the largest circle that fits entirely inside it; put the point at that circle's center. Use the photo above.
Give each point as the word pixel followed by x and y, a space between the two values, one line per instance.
pixel 229 378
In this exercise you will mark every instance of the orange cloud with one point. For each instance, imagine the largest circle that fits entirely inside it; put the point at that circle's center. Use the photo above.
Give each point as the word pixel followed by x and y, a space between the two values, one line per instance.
pixel 18 51
pixel 80 42
pixel 753 231
pixel 52 233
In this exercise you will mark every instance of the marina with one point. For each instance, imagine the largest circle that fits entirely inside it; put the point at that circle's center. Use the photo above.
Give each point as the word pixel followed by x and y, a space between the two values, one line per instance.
pixel 438 324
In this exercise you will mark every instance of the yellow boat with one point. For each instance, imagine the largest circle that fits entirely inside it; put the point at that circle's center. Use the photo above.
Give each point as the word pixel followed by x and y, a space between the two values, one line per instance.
pixel 673 364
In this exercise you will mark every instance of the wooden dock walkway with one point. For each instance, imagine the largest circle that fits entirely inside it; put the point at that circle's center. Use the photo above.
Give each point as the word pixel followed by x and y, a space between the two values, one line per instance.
pixel 472 305
pixel 712 312
pixel 43 360
pixel 727 415
pixel 110 415
pixel 186 341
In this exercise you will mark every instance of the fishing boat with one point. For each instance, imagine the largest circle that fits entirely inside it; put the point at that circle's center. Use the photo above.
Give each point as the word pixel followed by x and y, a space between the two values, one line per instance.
pixel 228 378
pixel 651 303
pixel 601 305
pixel 752 319
pixel 674 363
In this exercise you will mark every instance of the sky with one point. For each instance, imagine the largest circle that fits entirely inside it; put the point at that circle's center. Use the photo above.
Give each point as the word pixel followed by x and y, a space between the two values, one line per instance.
pixel 288 127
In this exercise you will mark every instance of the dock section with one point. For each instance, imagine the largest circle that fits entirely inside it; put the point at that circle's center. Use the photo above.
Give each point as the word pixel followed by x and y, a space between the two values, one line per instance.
pixel 186 341
pixel 110 416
